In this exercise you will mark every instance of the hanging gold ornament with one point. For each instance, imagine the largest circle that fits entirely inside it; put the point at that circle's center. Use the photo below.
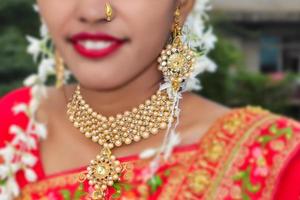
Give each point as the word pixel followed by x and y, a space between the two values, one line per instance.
pixel 177 60
pixel 59 70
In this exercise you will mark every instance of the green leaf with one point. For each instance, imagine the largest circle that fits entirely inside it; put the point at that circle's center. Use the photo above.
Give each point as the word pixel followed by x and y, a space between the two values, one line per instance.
pixel 289 133
pixel 79 192
pixel 3 181
pixel 66 194
pixel 167 172
pixel 118 190
pixel 126 186
pixel 116 195
pixel 239 176
pixel 155 182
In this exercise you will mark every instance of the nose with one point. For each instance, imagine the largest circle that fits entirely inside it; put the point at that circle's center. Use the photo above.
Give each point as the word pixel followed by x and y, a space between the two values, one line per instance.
pixel 91 11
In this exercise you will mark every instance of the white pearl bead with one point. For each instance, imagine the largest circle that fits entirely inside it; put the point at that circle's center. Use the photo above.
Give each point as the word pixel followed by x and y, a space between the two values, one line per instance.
pixel 110 183
pixel 103 187
pixel 118 169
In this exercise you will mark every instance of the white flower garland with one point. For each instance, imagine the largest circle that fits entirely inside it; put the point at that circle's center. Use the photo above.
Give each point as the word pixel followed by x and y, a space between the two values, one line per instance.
pixel 16 154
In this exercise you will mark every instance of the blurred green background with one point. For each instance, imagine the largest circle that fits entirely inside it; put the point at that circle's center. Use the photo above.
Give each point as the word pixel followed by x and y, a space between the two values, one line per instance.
pixel 234 84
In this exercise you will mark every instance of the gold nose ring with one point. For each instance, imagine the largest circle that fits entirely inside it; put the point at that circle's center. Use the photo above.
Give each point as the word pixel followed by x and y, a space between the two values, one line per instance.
pixel 108 11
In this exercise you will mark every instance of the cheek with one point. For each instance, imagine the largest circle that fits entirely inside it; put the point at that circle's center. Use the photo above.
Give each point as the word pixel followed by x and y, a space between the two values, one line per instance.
pixel 55 14
pixel 152 27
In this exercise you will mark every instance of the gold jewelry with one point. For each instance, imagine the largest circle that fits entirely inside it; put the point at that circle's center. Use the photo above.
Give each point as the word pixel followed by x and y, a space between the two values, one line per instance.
pixel 108 11
pixel 59 70
pixel 113 131
pixel 176 60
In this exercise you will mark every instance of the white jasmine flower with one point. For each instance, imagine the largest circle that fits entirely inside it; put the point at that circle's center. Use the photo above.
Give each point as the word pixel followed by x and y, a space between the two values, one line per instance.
pixel 148 153
pixel 30 175
pixel 206 64
pixel 33 106
pixel 13 187
pixel 3 194
pixel 29 159
pixel 46 68
pixel 7 153
pixel 4 171
pixel 40 130
pixel 31 80
pixel 209 39
pixel 173 140
pixel 17 130
pixel 19 108
pixel 35 8
pixel 34 47
pixel 44 30
pixel 31 143
pixel 38 91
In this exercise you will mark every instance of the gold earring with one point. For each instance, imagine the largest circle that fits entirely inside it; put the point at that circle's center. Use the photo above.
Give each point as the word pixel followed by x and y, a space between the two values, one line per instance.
pixel 59 70
pixel 108 11
pixel 177 59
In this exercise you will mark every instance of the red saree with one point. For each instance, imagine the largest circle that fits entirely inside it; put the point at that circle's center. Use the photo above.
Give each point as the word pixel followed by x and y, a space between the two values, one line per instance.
pixel 247 154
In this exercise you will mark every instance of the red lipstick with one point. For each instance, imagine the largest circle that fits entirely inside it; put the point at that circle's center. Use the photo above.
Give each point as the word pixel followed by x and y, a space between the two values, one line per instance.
pixel 95 45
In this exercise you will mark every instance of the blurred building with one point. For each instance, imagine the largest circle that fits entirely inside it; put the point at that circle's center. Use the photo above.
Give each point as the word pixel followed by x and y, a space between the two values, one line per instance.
pixel 269 32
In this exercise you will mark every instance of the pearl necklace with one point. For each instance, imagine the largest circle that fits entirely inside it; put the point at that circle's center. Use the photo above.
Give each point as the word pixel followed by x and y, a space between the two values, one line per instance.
pixel 109 132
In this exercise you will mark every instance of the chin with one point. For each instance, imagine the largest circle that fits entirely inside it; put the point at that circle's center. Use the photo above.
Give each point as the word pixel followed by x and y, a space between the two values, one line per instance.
pixel 100 82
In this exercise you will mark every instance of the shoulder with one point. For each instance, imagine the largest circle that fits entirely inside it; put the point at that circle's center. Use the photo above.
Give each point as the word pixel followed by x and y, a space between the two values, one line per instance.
pixel 198 114
pixel 254 150
pixel 7 114
pixel 263 147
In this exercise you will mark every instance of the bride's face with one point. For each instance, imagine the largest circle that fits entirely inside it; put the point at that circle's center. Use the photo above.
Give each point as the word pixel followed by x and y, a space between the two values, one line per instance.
pixel 139 31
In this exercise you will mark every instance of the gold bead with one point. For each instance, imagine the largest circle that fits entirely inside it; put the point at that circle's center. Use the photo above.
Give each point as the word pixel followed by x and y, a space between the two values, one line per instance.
pixel 118 143
pixel 88 134
pixel 127 141
pixel 115 177
pixel 136 138
pixel 154 131
pixel 134 110
pixel 145 134
pixel 163 125
pixel 111 119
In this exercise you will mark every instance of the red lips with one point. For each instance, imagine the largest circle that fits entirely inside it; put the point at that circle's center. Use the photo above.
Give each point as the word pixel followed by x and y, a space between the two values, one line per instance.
pixel 80 41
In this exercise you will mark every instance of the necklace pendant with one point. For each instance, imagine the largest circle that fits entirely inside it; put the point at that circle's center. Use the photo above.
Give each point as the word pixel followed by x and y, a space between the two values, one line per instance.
pixel 103 172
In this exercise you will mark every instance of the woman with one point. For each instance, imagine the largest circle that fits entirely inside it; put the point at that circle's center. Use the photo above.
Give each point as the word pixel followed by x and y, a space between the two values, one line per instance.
pixel 126 92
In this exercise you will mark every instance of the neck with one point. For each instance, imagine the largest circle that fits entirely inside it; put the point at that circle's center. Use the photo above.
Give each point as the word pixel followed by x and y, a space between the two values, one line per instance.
pixel 130 95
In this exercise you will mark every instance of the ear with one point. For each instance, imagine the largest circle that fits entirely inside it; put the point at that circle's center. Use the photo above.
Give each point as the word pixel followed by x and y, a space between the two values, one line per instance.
pixel 186 7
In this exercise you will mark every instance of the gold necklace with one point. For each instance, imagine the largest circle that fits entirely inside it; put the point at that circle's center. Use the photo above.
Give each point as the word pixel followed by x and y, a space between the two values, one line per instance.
pixel 109 132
